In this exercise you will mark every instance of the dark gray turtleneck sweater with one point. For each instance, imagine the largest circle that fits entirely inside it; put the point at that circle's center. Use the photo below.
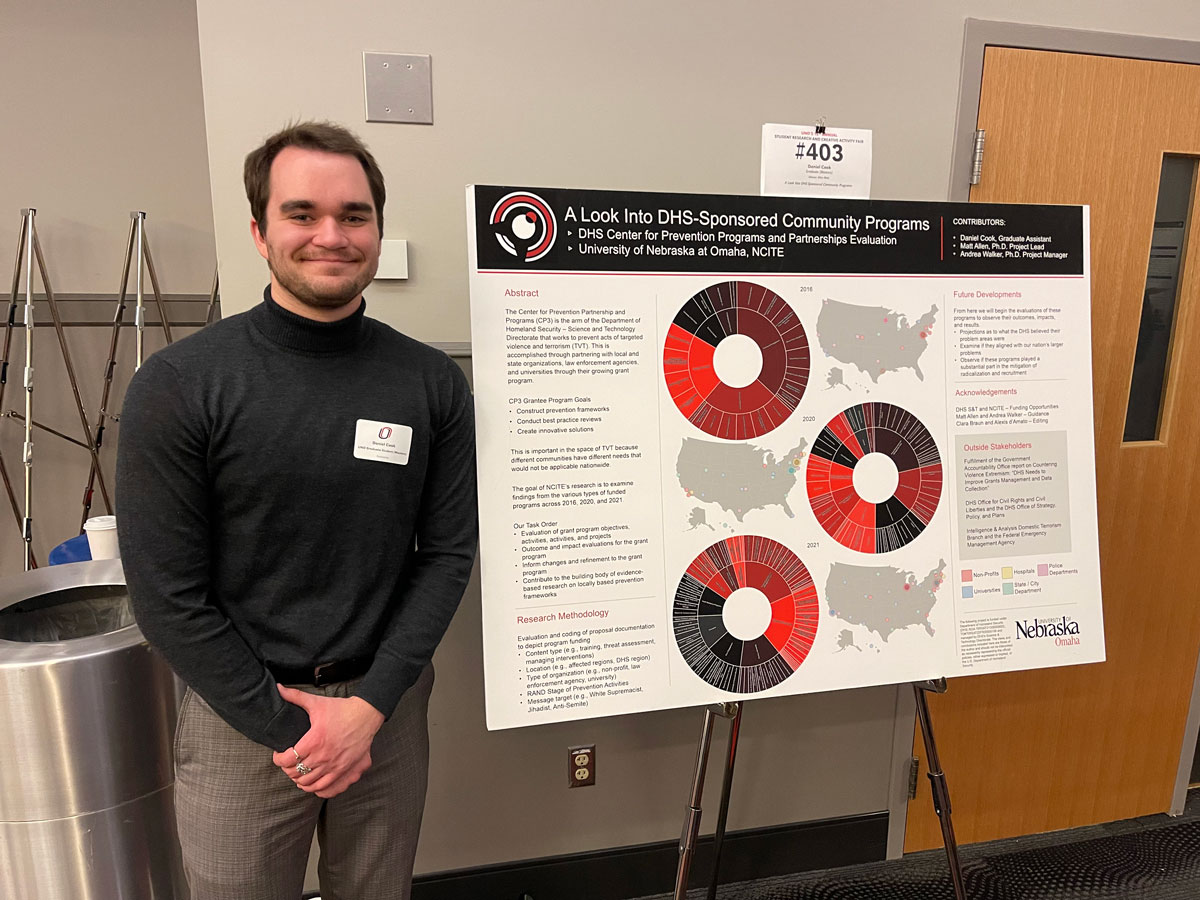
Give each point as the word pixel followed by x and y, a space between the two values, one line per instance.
pixel 252 535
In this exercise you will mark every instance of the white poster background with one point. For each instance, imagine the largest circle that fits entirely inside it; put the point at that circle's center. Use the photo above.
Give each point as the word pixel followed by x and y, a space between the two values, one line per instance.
pixel 587 528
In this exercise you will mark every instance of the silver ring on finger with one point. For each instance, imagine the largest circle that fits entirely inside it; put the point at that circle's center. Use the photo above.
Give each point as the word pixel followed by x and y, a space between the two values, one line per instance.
pixel 302 769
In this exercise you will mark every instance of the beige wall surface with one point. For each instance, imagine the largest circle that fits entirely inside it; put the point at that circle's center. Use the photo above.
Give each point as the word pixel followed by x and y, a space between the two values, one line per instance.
pixel 668 96
pixel 103 114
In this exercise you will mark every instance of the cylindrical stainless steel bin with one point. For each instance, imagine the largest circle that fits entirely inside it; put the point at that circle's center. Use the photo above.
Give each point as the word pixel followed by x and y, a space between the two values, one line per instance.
pixel 87 716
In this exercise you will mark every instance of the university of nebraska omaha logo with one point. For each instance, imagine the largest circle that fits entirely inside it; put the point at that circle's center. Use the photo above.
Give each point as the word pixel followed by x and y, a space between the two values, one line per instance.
pixel 1064 630
pixel 524 225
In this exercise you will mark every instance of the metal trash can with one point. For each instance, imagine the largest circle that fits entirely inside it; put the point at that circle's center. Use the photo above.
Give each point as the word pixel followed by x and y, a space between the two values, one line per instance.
pixel 87 717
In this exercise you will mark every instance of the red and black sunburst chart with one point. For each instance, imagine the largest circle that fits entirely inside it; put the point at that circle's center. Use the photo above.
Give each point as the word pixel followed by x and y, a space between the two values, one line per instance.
pixel 719 409
pixel 860 524
pixel 733 664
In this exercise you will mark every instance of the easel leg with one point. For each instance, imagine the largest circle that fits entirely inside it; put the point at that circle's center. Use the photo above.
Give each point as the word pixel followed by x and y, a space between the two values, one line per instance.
pixel 158 297
pixel 212 296
pixel 109 368
pixel 937 782
pixel 12 499
pixel 691 822
pixel 726 787
pixel 72 380
pixel 27 449
pixel 10 326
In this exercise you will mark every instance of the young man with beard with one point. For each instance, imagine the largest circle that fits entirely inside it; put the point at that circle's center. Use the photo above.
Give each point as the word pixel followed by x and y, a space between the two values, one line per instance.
pixel 296 509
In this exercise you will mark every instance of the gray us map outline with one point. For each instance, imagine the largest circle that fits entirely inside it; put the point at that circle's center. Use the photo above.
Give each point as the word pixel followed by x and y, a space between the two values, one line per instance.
pixel 886 343
pixel 737 477
pixel 876 598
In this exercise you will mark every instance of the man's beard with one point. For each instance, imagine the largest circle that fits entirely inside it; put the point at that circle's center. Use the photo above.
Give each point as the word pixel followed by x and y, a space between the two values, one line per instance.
pixel 331 294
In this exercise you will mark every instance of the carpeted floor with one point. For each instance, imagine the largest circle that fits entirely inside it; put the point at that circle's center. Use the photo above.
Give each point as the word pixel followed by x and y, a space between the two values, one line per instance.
pixel 1152 858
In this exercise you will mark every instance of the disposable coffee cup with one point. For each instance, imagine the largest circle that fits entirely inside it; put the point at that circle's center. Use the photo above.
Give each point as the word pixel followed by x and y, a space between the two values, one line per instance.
pixel 102 537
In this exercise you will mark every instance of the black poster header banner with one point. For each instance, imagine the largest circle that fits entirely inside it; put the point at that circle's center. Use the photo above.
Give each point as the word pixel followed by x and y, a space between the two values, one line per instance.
pixel 565 230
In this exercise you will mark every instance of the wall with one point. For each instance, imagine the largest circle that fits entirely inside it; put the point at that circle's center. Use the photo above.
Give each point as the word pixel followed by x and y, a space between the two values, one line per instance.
pixel 668 95
pixel 624 95
pixel 102 105
pixel 103 115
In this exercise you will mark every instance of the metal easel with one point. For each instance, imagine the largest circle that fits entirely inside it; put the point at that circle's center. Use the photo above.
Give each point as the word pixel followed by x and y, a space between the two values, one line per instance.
pixel 937 781
pixel 24 249
pixel 136 244
pixel 733 712
pixel 29 249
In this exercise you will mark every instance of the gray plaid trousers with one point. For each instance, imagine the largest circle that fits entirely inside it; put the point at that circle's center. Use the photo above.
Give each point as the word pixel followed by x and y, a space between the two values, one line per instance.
pixel 245 829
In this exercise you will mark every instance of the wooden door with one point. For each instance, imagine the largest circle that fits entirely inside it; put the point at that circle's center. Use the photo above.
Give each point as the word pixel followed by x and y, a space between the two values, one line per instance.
pixel 1058 748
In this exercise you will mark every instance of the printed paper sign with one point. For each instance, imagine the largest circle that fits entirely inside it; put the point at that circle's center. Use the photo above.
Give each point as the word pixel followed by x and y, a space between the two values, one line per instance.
pixel 799 161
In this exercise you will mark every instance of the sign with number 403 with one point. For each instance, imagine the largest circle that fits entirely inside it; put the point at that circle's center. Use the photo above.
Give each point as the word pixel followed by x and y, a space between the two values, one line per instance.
pixel 802 161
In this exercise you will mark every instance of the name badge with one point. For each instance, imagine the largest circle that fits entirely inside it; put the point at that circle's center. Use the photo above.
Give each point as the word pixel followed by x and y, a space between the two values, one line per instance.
pixel 382 442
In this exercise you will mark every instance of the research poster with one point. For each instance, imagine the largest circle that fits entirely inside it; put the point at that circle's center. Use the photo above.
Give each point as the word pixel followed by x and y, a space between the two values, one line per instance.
pixel 737 447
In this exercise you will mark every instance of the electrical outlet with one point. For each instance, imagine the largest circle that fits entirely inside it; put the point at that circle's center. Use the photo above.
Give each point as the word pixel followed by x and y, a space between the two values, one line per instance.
pixel 581 766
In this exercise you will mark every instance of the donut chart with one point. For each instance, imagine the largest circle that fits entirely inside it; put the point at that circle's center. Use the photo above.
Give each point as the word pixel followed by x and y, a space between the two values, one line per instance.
pixel 848 518
pixel 729 663
pixel 720 311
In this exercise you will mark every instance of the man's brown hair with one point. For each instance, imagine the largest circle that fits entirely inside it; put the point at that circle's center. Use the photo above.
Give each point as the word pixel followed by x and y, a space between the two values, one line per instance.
pixel 325 136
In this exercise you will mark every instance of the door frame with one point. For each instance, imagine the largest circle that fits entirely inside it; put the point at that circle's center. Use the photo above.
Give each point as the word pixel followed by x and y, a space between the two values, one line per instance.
pixel 978 35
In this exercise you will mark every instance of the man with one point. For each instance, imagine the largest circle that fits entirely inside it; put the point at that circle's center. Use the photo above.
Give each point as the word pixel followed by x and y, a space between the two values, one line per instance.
pixel 296 493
